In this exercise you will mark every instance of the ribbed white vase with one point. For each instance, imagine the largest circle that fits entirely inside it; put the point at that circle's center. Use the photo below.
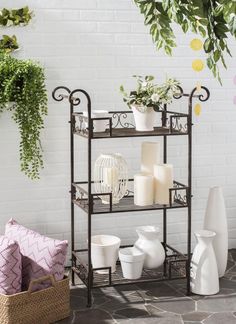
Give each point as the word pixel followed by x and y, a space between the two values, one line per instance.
pixel 204 272
pixel 216 220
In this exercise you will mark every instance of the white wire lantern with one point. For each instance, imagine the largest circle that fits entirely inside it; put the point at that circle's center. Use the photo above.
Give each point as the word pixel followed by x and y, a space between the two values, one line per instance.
pixel 111 176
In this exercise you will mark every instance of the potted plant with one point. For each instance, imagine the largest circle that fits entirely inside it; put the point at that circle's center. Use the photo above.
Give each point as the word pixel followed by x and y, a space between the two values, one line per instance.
pixel 147 98
pixel 23 83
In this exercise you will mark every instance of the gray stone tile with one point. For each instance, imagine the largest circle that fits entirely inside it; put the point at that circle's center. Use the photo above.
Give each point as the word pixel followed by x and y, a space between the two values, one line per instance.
pixel 195 316
pixel 92 316
pixel 220 318
pixel 217 304
pixel 161 318
pixel 132 312
pixel 179 306
pixel 152 310
pixel 78 302
pixel 67 320
pixel 159 290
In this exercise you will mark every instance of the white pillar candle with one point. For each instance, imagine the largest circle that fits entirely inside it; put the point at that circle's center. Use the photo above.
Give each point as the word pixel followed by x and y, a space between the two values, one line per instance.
pixel 110 177
pixel 150 155
pixel 143 189
pixel 163 181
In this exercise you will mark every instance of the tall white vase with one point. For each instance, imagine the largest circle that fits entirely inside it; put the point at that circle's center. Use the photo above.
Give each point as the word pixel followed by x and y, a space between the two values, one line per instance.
pixel 150 244
pixel 216 220
pixel 204 272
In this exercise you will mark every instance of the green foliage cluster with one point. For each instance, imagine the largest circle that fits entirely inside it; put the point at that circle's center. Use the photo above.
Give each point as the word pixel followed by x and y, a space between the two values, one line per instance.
pixel 23 83
pixel 15 17
pixel 8 44
pixel 214 20
pixel 149 95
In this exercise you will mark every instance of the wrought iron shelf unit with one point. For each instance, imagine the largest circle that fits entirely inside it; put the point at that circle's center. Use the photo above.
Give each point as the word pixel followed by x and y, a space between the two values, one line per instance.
pixel 120 125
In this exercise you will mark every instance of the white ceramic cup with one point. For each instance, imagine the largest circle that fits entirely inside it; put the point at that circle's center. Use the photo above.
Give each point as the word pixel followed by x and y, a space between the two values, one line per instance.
pixel 99 125
pixel 131 262
pixel 104 252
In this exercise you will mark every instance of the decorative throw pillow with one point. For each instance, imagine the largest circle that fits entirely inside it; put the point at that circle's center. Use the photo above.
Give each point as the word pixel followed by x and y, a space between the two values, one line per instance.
pixel 10 266
pixel 41 255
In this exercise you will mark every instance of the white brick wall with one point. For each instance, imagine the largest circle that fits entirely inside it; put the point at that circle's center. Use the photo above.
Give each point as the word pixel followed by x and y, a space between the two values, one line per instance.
pixel 97 45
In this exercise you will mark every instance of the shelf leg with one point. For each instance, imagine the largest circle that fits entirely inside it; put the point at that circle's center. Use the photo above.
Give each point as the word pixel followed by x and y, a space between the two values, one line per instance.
pixel 164 211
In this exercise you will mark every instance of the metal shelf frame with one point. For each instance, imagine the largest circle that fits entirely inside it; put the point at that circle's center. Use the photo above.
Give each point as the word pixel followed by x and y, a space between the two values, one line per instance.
pixel 176 265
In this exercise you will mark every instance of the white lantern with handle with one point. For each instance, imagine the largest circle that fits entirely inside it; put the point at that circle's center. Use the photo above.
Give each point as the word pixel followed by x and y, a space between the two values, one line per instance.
pixel 111 176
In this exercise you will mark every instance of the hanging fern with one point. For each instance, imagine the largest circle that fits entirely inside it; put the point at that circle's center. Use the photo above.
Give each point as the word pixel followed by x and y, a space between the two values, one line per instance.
pixel 23 83
pixel 214 20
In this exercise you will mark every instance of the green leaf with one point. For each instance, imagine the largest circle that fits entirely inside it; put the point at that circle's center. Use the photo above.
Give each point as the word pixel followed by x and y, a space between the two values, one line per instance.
pixel 216 55
pixel 208 45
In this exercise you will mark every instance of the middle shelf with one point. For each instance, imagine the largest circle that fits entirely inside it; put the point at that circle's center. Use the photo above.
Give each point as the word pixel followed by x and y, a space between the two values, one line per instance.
pixel 178 198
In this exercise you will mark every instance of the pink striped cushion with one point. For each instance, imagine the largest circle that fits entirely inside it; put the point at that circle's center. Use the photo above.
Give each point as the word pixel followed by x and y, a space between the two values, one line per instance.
pixel 41 255
pixel 10 266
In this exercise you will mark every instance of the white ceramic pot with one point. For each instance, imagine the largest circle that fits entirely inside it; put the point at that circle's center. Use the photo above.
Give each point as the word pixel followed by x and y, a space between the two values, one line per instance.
pixel 216 220
pixel 150 244
pixel 104 252
pixel 144 121
pixel 99 125
pixel 131 262
pixel 204 272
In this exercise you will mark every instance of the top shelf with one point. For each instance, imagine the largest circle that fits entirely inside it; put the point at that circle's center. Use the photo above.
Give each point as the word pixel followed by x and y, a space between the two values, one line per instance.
pixel 120 124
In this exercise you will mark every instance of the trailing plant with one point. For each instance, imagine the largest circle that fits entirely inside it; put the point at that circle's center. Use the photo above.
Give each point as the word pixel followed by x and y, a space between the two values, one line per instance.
pixel 149 95
pixel 8 44
pixel 214 20
pixel 23 83
pixel 15 17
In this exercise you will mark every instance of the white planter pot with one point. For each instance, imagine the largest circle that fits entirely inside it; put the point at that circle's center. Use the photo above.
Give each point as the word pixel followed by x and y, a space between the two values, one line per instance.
pixel 204 272
pixel 144 121
pixel 216 220
pixel 104 252
pixel 149 243
pixel 131 262
pixel 99 125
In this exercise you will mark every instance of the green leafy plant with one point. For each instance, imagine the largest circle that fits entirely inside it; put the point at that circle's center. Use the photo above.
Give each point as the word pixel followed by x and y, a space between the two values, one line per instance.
pixel 15 17
pixel 214 20
pixel 23 83
pixel 8 44
pixel 149 95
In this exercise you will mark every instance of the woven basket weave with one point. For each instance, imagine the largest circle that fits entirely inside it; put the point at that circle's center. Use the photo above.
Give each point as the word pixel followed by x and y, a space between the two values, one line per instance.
pixel 41 307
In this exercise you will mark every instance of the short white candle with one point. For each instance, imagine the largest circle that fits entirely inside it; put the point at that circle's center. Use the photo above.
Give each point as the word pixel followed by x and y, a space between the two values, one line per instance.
pixel 150 155
pixel 143 189
pixel 163 181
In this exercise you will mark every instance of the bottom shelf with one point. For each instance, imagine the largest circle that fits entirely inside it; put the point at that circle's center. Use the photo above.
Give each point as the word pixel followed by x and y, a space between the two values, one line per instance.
pixel 175 267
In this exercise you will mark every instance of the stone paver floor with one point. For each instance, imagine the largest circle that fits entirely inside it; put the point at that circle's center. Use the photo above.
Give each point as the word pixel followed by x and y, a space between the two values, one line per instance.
pixel 159 303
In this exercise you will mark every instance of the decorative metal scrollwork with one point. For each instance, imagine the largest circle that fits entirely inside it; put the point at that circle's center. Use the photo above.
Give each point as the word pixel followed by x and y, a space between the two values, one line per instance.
pixel 119 120
pixel 82 272
pixel 81 125
pixel 177 125
pixel 60 96
pixel 180 194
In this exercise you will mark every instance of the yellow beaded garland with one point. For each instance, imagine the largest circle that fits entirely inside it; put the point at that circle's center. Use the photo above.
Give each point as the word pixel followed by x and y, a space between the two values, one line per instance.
pixel 197 65
pixel 197 109
pixel 196 44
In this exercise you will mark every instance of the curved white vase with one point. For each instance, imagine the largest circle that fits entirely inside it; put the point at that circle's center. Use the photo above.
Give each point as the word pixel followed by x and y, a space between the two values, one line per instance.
pixel 204 271
pixel 144 121
pixel 150 244
pixel 216 220
pixel 104 252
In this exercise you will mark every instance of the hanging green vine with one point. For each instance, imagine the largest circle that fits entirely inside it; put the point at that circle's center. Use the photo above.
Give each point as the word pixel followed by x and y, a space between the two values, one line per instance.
pixel 15 17
pixel 214 20
pixel 23 83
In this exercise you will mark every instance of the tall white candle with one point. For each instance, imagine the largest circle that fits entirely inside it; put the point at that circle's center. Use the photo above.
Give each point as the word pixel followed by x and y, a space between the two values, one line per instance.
pixel 150 155
pixel 163 181
pixel 143 189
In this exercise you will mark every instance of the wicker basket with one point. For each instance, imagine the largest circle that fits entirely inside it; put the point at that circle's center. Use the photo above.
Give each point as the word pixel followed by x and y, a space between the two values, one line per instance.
pixel 41 307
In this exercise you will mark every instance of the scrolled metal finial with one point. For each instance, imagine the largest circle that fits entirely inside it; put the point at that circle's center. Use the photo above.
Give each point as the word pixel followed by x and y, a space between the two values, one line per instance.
pixel 179 95
pixel 75 101
pixel 204 97
pixel 60 96
pixel 201 97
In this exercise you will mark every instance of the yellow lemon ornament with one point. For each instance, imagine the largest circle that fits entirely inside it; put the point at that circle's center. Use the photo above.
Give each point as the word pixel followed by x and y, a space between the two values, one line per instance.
pixel 197 109
pixel 197 65
pixel 196 44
